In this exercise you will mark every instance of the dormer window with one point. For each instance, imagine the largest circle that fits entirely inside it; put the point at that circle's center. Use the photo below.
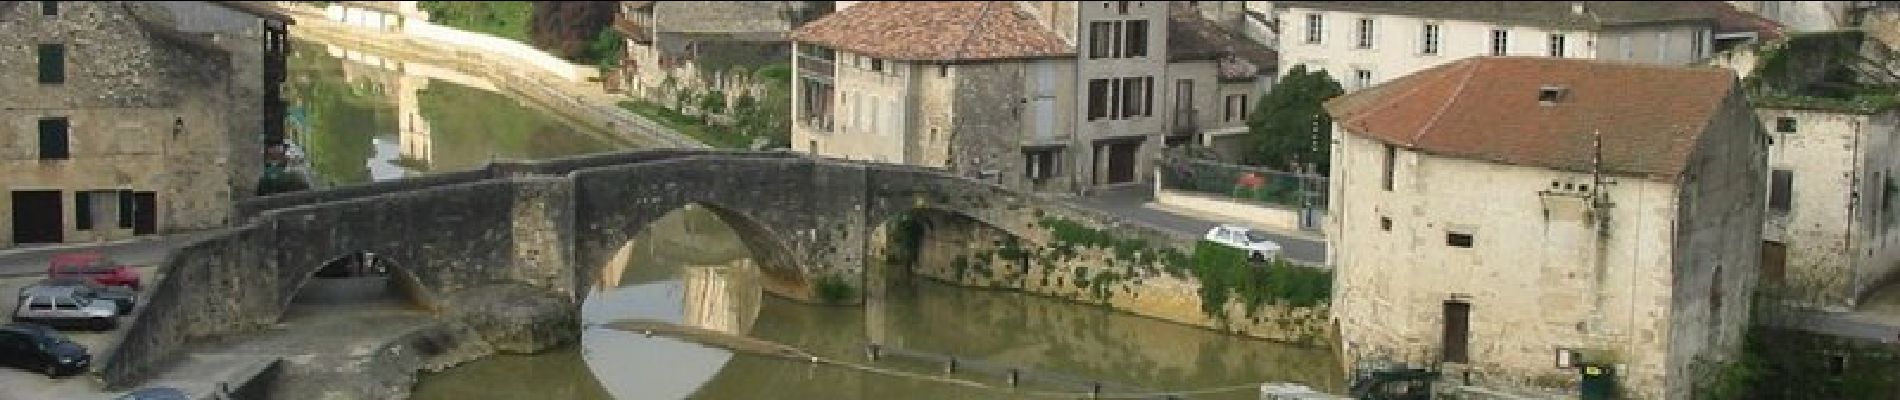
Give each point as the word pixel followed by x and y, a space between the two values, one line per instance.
pixel 1550 94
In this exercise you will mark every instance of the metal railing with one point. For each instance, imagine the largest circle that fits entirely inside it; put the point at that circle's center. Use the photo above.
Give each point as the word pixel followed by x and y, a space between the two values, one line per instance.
pixel 1250 183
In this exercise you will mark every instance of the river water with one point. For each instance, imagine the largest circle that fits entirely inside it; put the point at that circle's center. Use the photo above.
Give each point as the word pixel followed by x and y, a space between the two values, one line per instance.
pixel 365 121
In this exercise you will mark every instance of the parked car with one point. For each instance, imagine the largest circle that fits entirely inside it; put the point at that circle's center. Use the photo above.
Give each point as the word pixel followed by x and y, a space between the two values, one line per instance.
pixel 95 266
pixel 66 307
pixel 40 348
pixel 1254 242
pixel 120 296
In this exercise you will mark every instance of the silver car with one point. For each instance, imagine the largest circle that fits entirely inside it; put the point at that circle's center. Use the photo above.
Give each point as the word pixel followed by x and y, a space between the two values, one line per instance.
pixel 65 306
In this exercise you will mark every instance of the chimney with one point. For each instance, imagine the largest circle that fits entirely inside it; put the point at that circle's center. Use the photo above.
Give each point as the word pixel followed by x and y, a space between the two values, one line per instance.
pixel 1576 7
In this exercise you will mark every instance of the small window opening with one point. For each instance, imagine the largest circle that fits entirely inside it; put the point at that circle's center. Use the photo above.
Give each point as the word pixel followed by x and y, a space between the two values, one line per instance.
pixel 1385 224
pixel 1837 365
pixel 1585 188
pixel 49 8
pixel 1784 125
pixel 1462 240
pixel 1569 186
pixel 1548 95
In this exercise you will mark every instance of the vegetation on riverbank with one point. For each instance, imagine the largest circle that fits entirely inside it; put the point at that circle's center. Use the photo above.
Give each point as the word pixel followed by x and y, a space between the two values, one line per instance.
pixel 691 126
pixel 507 19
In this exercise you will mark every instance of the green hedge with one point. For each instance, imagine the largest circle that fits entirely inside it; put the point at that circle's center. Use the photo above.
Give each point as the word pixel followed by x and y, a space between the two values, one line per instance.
pixel 1226 272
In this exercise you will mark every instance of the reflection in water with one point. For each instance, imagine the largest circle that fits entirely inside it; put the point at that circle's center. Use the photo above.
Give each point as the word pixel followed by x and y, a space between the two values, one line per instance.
pixel 672 276
pixel 367 118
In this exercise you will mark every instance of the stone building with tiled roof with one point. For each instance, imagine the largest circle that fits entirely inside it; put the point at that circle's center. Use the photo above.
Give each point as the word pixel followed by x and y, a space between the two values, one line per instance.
pixel 128 118
pixel 1048 96
pixel 1362 43
pixel 1526 219
pixel 699 47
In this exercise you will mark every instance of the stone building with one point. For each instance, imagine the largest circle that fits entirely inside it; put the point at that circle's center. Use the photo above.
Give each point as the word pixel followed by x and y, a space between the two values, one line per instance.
pixel 1829 236
pixel 133 118
pixel 1363 43
pixel 1511 218
pixel 703 46
pixel 1049 96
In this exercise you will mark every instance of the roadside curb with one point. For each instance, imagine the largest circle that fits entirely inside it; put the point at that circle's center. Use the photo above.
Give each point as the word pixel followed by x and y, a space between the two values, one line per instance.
pixel 1188 214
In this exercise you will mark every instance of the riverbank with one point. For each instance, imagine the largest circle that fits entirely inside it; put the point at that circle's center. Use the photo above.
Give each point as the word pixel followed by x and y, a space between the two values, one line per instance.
pixel 584 103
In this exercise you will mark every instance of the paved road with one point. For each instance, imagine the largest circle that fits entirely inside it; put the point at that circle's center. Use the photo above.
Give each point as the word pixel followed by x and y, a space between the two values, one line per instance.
pixel 1132 202
pixel 30 260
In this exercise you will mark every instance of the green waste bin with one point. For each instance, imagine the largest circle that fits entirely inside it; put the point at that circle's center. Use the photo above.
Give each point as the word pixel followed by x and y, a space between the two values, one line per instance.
pixel 1598 383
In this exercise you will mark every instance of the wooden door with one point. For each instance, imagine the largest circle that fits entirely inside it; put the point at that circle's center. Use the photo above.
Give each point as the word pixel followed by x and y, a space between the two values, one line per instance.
pixel 1457 331
pixel 145 213
pixel 38 217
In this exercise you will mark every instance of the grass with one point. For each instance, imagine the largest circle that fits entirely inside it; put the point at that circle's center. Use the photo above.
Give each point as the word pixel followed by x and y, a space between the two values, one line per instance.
pixel 688 125
pixel 508 19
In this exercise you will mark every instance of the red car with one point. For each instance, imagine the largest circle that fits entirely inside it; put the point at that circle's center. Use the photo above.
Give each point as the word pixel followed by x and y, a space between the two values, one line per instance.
pixel 94 266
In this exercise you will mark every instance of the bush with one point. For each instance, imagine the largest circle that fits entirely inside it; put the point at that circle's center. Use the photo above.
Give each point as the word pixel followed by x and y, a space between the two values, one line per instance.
pixel 833 289
pixel 1226 272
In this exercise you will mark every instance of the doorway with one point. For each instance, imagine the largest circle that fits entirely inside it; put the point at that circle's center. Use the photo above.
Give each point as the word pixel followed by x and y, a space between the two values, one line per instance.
pixel 144 213
pixel 1774 262
pixel 1120 157
pixel 1457 332
pixel 38 217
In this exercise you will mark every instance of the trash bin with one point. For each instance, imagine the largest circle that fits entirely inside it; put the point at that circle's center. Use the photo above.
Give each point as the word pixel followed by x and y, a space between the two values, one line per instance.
pixel 1598 383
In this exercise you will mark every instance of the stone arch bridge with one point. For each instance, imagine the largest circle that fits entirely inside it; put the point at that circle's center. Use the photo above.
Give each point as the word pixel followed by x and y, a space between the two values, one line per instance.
pixel 553 225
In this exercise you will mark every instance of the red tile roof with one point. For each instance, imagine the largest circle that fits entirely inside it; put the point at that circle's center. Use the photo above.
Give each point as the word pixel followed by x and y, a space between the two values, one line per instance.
pixel 1487 108
pixel 935 31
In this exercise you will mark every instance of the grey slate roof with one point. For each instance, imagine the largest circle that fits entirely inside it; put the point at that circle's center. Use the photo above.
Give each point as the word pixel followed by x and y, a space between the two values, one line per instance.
pixel 727 17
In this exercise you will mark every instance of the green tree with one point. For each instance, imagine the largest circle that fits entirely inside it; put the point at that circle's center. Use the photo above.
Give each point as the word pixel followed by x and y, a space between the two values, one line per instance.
pixel 713 102
pixel 1289 127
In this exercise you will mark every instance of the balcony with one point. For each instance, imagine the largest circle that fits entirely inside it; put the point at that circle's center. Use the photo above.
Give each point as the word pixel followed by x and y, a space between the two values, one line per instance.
pixel 815 69
pixel 1185 122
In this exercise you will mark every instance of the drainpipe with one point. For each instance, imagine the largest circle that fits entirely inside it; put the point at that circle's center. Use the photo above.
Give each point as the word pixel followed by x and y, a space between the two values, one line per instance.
pixel 1853 208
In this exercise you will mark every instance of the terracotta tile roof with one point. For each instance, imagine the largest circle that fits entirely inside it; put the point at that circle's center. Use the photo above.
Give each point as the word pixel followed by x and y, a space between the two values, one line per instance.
pixel 935 31
pixel 1729 19
pixel 1551 14
pixel 1194 38
pixel 1487 108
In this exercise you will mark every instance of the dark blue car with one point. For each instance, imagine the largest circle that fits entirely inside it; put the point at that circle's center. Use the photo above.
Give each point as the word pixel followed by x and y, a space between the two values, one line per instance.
pixel 40 348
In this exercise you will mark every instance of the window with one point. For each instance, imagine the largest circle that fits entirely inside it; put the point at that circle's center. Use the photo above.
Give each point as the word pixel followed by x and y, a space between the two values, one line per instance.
pixel 1662 46
pixel 1385 224
pixel 52 63
pixel 877 65
pixel 1385 178
pixel 1040 164
pixel 1315 28
pixel 1629 50
pixel 1460 240
pixel 1236 108
pixel 1122 7
pixel 49 8
pixel 1365 33
pixel 1431 39
pixel 1500 42
pixel 1784 125
pixel 1779 188
pixel 1101 39
pixel 1699 44
pixel 1557 45
pixel 943 70
pixel 1098 99
pixel 126 202
pixel 1120 98
pixel 1135 44
pixel 1550 94
pixel 82 210
pixel 1361 79
pixel 1715 294
pixel 53 132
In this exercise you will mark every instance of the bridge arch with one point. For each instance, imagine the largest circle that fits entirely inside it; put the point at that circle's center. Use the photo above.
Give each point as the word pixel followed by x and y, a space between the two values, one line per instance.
pixel 762 243
pixel 354 277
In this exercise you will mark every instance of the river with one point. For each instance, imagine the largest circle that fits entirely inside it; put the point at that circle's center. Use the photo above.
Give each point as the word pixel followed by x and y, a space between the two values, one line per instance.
pixel 363 121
